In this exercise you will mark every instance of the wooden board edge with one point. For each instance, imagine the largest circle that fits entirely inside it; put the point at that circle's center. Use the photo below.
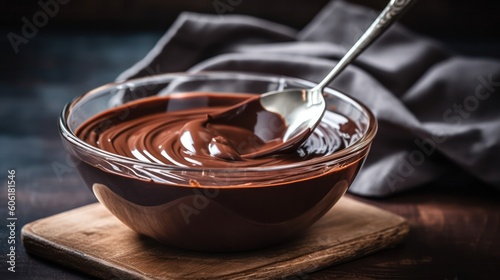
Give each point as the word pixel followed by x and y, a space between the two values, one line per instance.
pixel 37 245
pixel 390 237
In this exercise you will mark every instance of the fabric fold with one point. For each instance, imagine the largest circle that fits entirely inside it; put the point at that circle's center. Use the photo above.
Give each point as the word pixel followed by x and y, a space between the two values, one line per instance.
pixel 195 37
pixel 438 112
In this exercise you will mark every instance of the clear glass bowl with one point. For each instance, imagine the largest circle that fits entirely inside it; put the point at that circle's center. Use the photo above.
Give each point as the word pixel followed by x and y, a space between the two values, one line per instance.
pixel 233 208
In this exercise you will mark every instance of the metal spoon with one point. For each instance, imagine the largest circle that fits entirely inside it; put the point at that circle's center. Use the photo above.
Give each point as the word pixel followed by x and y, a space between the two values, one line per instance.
pixel 302 109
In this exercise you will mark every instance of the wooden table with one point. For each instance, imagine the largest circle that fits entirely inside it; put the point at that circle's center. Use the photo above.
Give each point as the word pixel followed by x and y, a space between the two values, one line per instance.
pixel 454 232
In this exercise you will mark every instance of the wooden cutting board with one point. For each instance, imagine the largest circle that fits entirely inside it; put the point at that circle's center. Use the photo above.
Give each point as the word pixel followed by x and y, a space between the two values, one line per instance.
pixel 90 239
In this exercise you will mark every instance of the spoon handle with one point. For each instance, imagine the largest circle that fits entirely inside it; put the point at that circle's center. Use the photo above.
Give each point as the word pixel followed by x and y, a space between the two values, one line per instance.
pixel 391 12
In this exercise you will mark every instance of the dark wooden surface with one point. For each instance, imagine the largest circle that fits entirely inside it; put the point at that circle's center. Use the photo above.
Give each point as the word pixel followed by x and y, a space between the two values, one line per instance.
pixel 454 231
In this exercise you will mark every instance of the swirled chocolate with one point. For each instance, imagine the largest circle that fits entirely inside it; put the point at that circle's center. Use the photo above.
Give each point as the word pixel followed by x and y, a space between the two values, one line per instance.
pixel 175 130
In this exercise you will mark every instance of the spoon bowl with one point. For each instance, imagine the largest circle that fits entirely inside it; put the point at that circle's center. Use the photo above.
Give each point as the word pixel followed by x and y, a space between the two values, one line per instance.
pixel 284 119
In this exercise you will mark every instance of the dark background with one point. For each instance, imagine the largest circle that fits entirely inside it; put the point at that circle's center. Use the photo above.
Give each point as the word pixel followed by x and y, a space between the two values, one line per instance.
pixel 468 27
pixel 90 42
pixel 477 19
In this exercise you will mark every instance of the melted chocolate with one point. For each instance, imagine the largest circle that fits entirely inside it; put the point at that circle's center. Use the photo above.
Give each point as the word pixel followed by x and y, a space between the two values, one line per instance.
pixel 216 211
pixel 176 130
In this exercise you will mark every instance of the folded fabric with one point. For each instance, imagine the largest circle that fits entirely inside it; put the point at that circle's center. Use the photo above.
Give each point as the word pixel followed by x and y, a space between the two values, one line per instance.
pixel 438 112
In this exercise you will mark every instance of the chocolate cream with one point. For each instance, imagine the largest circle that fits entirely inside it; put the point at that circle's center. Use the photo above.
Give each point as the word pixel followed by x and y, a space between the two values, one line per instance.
pixel 180 130
pixel 212 210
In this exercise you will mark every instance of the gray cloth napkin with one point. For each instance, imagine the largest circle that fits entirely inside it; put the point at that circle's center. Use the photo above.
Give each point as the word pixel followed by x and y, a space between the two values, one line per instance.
pixel 438 113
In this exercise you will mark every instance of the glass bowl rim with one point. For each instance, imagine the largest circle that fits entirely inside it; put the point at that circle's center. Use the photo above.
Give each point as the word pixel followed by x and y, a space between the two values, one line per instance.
pixel 359 146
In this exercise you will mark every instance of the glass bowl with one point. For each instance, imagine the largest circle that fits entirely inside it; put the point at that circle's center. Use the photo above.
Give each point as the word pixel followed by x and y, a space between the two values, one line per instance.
pixel 230 208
